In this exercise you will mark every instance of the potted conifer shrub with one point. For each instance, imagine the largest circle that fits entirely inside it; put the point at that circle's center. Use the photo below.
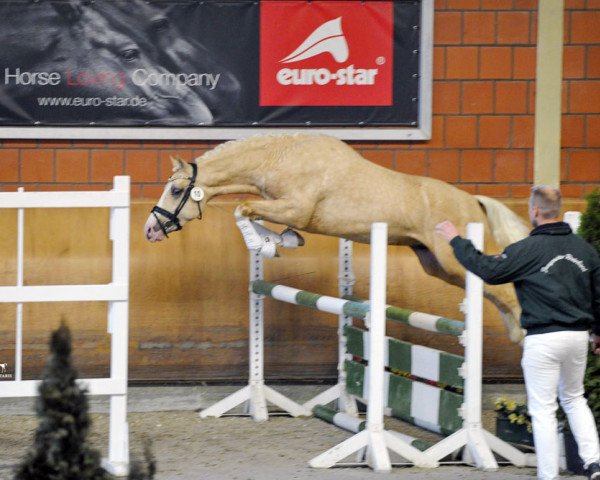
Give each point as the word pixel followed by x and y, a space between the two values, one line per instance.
pixel 61 450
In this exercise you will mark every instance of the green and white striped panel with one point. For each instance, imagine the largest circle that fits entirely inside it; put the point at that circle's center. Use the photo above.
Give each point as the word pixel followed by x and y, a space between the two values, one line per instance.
pixel 419 403
pixel 424 405
pixel 423 362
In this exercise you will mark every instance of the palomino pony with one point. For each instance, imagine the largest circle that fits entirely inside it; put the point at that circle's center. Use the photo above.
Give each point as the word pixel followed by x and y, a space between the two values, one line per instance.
pixel 319 184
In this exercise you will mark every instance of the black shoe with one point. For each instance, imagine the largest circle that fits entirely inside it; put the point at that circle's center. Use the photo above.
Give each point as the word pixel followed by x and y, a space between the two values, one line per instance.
pixel 593 471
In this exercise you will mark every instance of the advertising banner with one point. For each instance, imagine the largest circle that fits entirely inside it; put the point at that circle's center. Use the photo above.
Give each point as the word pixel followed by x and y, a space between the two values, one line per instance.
pixel 215 63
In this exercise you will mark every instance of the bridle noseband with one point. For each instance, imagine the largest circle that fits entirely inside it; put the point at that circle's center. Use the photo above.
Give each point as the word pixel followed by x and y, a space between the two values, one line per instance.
pixel 173 217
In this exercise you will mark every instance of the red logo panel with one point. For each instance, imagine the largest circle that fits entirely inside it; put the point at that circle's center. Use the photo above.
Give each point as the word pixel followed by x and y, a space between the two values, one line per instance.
pixel 326 53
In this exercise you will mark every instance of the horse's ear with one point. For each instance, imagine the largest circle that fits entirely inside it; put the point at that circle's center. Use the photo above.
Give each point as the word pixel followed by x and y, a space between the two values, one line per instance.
pixel 178 164
pixel 70 11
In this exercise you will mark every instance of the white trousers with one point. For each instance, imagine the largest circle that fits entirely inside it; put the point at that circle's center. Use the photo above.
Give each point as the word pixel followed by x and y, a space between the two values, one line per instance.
pixel 554 363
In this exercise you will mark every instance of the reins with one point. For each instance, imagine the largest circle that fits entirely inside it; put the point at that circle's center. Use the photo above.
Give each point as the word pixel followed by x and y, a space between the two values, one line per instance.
pixel 196 193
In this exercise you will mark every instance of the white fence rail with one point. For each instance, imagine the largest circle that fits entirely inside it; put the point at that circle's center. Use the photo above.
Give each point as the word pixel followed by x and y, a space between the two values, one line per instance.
pixel 116 293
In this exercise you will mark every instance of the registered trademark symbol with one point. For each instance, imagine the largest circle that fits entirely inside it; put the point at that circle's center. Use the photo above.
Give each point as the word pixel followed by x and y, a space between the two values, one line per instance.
pixel 380 60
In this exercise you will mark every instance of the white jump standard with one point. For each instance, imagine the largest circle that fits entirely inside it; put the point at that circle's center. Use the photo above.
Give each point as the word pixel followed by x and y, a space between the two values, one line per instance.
pixel 116 293
pixel 375 438
pixel 479 443
pixel 256 394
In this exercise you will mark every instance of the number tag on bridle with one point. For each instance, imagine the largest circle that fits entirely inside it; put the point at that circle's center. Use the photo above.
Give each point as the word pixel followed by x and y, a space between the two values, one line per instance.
pixel 197 194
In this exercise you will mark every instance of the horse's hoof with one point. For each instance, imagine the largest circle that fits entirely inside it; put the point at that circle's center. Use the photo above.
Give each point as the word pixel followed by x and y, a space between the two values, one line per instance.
pixel 246 212
pixel 291 239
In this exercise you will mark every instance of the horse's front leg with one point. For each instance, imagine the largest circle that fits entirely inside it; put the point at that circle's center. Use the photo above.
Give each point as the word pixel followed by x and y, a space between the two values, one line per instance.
pixel 293 213
pixel 260 238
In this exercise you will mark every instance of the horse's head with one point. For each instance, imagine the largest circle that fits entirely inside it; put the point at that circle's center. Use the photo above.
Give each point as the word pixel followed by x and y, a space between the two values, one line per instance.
pixel 100 57
pixel 183 199
pixel 167 45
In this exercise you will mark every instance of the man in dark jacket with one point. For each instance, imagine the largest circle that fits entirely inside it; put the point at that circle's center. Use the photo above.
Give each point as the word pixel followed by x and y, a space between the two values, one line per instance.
pixel 557 279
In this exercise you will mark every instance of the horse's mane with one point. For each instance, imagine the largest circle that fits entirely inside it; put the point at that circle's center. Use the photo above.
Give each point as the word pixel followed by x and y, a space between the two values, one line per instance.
pixel 255 141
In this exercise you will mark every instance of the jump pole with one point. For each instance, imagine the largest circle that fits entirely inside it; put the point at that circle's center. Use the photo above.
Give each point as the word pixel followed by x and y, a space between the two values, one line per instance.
pixel 374 437
pixel 256 394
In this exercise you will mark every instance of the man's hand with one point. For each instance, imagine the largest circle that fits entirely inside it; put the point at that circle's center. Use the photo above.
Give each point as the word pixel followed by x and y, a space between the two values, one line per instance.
pixel 596 344
pixel 446 229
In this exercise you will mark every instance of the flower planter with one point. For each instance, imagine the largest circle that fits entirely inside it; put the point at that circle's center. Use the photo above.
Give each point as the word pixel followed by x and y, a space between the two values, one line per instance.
pixel 513 432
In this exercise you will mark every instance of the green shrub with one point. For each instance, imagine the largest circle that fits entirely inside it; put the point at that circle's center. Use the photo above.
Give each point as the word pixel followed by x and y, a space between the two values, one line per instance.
pixel 589 229
pixel 61 450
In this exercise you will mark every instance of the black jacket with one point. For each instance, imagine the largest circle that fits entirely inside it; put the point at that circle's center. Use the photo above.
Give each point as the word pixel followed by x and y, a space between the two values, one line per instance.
pixel 556 275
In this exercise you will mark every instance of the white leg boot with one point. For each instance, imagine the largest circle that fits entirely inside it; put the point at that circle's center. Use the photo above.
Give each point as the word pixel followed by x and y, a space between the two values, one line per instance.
pixel 258 237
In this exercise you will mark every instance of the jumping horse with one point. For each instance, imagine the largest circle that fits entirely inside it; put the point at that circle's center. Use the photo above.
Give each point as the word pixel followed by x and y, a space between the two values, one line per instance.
pixel 319 184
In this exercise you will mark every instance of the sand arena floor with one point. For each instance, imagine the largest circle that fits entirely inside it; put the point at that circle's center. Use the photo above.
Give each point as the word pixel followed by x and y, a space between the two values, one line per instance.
pixel 235 447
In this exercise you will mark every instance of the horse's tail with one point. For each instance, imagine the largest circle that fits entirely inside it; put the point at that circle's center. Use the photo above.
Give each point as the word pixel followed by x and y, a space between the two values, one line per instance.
pixel 507 227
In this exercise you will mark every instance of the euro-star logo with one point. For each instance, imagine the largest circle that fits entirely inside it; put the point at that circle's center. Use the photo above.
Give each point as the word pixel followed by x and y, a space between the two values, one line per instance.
pixel 328 38
pixel 338 61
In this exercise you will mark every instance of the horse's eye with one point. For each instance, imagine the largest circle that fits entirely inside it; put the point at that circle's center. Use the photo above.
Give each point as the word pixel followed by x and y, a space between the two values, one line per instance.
pixel 176 191
pixel 160 24
pixel 130 54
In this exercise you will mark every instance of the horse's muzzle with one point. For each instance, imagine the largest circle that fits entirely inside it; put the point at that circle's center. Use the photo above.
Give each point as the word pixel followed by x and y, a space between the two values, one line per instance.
pixel 153 231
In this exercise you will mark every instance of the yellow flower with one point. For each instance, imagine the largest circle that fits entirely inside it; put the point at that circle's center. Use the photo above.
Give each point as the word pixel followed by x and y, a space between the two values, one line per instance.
pixel 500 403
pixel 515 412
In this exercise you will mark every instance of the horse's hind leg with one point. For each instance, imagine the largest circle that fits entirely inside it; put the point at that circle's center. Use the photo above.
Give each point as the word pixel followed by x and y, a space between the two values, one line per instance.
pixel 445 266
pixel 433 267
pixel 505 299
pixel 283 211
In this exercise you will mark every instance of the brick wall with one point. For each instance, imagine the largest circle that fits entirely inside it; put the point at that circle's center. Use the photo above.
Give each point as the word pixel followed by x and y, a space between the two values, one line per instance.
pixel 483 106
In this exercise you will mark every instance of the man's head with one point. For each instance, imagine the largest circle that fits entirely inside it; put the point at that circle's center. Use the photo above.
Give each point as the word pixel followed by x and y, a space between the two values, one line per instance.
pixel 544 205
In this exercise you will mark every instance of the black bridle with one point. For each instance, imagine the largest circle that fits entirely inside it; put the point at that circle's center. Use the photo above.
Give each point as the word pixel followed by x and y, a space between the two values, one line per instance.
pixel 173 217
